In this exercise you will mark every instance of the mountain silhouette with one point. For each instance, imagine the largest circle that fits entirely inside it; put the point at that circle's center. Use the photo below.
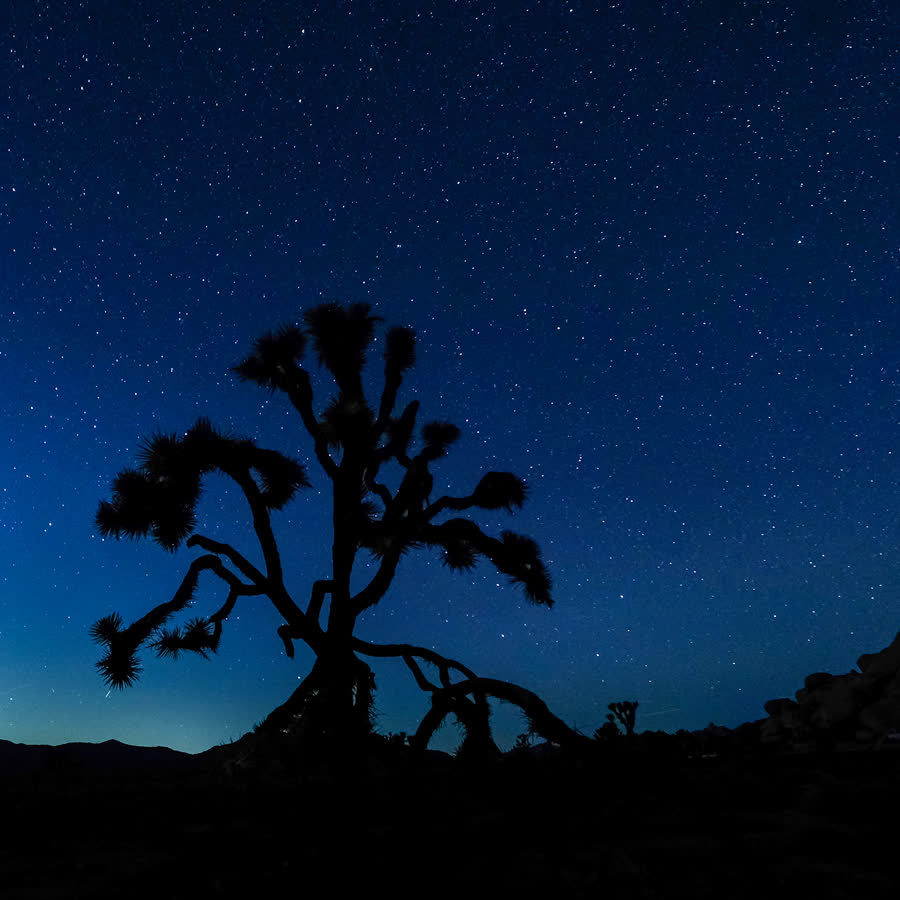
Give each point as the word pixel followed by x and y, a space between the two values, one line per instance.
pixel 96 759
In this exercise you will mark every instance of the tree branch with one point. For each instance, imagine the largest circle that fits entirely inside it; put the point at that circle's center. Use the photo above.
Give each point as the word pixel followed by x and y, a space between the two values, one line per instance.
pixel 388 400
pixel 319 590
pixel 514 555
pixel 289 633
pixel 378 586
pixel 403 650
pixel 440 505
pixel 262 525
pixel 273 587
pixel 543 721
pixel 539 715
pixel 240 562
pixel 120 666
pixel 419 675
pixel 430 723
pixel 379 489
pixel 299 391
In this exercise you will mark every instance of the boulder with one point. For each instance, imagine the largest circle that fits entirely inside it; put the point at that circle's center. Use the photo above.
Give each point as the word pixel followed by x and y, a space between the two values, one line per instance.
pixel 783 709
pixel 784 720
pixel 885 662
pixel 811 682
pixel 836 701
pixel 864 703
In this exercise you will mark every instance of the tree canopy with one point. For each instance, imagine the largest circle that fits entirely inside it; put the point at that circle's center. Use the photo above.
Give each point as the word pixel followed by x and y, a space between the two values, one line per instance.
pixel 354 442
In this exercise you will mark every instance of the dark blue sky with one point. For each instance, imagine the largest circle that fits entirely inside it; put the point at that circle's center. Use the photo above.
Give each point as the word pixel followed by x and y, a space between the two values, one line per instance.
pixel 650 252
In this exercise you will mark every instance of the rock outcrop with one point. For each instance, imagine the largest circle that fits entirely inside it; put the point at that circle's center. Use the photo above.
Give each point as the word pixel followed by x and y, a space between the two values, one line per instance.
pixel 861 706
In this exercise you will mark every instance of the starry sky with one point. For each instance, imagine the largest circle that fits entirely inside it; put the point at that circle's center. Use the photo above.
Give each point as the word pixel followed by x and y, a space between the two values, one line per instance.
pixel 650 253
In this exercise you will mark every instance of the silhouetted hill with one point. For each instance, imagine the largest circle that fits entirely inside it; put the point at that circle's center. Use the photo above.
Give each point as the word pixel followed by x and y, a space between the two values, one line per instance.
pixel 95 759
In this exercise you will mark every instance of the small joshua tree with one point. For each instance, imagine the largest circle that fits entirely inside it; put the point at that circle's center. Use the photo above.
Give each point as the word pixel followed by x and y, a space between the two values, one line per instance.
pixel 624 711
pixel 353 442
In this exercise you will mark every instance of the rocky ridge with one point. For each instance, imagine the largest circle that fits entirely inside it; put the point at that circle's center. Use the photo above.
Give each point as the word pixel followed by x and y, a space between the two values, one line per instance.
pixel 861 707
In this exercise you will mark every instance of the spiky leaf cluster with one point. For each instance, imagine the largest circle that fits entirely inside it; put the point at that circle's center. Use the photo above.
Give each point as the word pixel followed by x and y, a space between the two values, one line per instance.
pixel 160 497
pixel 520 559
pixel 341 337
pixel 145 503
pixel 514 554
pixel 274 354
pixel 280 475
pixel 345 421
pixel 500 490
pixel 204 448
pixel 119 668
pixel 438 436
pixel 459 555
pixel 106 629
pixel 382 542
pixel 460 541
pixel 197 635
pixel 400 351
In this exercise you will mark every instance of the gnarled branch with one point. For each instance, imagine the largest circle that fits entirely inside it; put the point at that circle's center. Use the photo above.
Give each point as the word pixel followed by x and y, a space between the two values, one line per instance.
pixel 120 666
pixel 402 650
pixel 539 715
pixel 239 561
pixel 445 698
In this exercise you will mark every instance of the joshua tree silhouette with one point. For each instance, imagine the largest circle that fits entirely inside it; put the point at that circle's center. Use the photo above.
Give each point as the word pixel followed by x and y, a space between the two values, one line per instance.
pixel 332 707
pixel 625 711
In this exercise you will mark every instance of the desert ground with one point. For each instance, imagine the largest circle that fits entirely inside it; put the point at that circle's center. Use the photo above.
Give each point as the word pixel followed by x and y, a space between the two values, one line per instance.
pixel 798 824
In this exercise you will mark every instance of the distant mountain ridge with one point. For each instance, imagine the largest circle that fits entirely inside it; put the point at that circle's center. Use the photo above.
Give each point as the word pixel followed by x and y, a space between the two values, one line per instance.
pixel 108 757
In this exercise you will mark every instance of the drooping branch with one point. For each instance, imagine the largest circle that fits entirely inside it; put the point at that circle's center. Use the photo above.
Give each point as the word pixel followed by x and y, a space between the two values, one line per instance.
pixel 418 674
pixel 196 636
pixel 120 667
pixel 225 610
pixel 496 490
pixel 544 722
pixel 403 650
pixel 445 698
pixel 239 561
pixel 513 554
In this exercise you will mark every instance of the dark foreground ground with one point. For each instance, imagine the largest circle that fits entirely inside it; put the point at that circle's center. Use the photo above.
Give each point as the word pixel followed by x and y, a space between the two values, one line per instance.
pixel 800 826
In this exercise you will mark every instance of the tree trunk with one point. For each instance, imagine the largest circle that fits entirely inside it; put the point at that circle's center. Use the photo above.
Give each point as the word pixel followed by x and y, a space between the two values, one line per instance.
pixel 329 715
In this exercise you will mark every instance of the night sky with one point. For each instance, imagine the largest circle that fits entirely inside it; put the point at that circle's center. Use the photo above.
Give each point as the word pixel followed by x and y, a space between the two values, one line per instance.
pixel 650 253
